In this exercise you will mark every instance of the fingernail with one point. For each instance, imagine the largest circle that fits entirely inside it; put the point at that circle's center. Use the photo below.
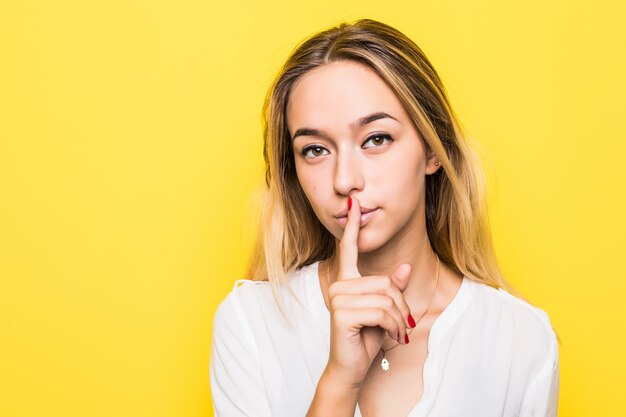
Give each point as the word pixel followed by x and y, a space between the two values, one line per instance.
pixel 406 338
pixel 411 321
pixel 349 203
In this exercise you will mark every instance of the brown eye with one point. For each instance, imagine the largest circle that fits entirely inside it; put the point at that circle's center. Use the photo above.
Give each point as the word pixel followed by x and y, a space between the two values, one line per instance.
pixel 378 140
pixel 315 150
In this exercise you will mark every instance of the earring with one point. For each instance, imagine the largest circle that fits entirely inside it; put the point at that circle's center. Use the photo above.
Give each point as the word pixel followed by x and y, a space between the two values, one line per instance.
pixel 437 163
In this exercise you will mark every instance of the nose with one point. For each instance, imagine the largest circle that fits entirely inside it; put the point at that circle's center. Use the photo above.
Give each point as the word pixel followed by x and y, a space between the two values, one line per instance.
pixel 348 175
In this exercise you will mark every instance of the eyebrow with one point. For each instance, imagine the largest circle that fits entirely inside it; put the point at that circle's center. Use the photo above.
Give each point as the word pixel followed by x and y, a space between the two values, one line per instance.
pixel 305 131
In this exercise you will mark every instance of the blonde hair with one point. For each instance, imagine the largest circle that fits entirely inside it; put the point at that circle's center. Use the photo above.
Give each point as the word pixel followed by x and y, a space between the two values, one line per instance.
pixel 290 236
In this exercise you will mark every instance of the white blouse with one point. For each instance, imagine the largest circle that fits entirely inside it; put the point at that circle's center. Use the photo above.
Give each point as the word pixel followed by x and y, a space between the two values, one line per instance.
pixel 489 353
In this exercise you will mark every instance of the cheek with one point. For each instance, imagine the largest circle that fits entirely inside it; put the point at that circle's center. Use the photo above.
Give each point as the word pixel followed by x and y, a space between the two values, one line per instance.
pixel 310 185
pixel 399 176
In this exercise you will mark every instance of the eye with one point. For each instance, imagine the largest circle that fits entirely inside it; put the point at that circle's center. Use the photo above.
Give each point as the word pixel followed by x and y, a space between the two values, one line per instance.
pixel 381 139
pixel 315 148
pixel 378 139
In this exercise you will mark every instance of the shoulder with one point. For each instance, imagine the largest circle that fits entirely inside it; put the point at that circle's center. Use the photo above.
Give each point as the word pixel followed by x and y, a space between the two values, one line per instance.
pixel 518 312
pixel 519 324
pixel 252 301
pixel 244 293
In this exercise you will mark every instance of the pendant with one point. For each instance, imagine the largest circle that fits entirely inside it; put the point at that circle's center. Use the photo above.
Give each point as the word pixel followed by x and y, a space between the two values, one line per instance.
pixel 384 363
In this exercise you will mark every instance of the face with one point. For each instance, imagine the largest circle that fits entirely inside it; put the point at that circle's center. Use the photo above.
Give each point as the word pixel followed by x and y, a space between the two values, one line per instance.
pixel 339 151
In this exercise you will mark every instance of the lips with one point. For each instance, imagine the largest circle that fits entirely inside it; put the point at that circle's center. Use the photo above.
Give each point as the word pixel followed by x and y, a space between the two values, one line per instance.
pixel 344 213
pixel 365 218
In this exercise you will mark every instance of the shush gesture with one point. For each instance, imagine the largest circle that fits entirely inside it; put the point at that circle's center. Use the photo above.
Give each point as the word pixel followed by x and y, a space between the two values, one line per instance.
pixel 363 309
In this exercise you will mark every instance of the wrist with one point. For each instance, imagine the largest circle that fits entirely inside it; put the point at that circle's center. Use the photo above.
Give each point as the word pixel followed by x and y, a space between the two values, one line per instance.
pixel 333 397
pixel 335 382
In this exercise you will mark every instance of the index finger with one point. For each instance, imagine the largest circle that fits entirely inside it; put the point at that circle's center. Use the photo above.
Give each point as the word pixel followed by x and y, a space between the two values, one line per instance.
pixel 348 247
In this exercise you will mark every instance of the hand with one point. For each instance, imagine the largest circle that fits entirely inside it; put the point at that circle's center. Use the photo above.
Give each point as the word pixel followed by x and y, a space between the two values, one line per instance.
pixel 363 309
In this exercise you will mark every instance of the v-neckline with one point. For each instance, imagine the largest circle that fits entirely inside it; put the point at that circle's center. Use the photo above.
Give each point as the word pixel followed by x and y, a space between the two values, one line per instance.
pixel 439 328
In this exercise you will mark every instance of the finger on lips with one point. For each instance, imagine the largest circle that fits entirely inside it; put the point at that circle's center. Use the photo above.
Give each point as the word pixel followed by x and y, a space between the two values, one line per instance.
pixel 392 318
pixel 348 246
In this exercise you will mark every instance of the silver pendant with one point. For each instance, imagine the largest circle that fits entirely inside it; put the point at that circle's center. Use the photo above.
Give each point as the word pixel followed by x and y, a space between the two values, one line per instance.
pixel 384 363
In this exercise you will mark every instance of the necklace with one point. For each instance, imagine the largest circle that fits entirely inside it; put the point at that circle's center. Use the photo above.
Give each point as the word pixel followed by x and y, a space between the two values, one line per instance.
pixel 384 363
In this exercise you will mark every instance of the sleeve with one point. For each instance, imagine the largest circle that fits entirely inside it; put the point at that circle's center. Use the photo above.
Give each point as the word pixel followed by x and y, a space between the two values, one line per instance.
pixel 541 398
pixel 237 388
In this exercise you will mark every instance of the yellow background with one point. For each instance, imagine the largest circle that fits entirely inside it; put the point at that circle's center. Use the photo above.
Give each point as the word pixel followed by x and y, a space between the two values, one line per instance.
pixel 130 142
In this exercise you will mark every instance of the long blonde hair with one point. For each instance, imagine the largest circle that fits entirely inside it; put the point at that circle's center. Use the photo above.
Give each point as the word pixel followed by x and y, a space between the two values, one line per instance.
pixel 290 235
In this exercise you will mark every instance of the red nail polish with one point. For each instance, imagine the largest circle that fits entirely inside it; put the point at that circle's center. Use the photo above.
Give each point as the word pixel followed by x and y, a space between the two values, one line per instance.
pixel 406 338
pixel 411 321
pixel 349 203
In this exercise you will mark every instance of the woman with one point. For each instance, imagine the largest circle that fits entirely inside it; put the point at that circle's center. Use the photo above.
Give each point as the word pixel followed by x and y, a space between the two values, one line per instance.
pixel 374 286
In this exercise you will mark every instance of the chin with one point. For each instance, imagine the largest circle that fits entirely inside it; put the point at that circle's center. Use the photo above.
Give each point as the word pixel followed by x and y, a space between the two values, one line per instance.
pixel 369 242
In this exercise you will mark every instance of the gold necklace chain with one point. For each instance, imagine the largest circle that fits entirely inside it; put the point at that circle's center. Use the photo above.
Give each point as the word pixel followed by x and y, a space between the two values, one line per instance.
pixel 385 363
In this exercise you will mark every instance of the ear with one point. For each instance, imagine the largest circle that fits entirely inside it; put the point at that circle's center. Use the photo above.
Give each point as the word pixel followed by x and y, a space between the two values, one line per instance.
pixel 432 163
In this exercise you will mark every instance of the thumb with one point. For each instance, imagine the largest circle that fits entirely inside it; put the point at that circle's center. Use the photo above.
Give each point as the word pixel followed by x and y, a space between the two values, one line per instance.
pixel 400 276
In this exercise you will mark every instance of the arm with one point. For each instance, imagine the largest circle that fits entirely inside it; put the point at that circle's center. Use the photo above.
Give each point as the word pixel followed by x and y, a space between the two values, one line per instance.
pixel 541 399
pixel 237 387
pixel 333 398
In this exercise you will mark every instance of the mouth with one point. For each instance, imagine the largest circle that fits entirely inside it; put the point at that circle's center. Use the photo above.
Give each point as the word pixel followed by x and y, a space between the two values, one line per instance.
pixel 365 218
pixel 364 210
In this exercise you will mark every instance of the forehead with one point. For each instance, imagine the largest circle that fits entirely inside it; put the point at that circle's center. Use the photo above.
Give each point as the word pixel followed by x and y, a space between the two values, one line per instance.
pixel 338 93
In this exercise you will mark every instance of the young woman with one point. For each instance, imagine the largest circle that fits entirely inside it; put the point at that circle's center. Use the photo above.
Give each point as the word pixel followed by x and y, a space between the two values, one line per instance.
pixel 374 289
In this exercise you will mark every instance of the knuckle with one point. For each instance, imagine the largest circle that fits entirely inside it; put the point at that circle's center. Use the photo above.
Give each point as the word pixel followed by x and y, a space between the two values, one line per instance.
pixel 388 302
pixel 387 283
pixel 335 301
pixel 339 315
pixel 332 290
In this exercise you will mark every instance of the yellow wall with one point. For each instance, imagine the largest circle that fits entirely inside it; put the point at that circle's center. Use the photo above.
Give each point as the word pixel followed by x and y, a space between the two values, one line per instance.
pixel 130 141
